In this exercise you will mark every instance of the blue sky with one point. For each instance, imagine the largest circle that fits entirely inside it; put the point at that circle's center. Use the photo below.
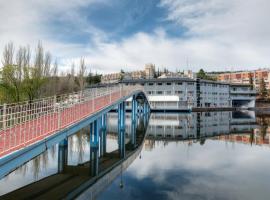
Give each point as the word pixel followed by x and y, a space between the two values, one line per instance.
pixel 213 34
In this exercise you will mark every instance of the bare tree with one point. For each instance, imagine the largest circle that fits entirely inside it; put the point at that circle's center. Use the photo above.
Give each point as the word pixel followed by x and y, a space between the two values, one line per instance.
pixel 82 74
pixel 39 60
pixel 71 78
pixel 19 60
pixel 47 64
pixel 8 54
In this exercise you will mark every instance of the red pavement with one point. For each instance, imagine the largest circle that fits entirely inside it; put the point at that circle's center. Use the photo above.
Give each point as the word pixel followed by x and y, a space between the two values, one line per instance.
pixel 27 133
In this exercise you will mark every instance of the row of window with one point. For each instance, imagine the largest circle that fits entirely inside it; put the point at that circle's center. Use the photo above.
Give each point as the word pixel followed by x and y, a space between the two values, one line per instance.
pixel 177 92
pixel 169 83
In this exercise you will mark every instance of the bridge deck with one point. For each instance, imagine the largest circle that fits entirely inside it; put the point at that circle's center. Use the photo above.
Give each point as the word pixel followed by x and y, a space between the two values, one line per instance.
pixel 47 123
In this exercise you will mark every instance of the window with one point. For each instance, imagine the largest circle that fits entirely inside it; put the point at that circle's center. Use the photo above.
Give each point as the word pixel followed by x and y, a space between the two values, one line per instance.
pixel 168 92
pixel 179 83
pixel 178 92
pixel 159 83
pixel 169 83
pixel 150 83
pixel 159 92
pixel 190 83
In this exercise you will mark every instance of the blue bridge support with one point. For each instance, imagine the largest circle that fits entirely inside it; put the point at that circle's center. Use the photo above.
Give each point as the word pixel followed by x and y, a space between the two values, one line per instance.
pixel 97 124
pixel 94 147
pixel 62 155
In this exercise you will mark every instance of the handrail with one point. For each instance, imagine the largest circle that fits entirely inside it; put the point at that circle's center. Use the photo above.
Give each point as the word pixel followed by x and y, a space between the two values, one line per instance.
pixel 24 122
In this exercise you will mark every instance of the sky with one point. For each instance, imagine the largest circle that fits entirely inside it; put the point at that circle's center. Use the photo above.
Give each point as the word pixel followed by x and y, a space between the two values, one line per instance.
pixel 216 35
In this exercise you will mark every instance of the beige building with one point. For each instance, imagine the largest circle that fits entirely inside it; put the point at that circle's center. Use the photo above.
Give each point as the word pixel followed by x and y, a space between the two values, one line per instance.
pixel 111 78
pixel 149 71
pixel 243 77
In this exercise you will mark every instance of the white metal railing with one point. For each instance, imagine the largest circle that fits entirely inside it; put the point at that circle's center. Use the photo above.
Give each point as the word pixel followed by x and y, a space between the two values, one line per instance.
pixel 24 123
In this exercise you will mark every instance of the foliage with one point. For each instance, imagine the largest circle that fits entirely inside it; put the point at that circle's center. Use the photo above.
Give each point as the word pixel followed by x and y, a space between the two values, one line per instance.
pixel 122 74
pixel 203 75
pixel 22 80
pixel 93 79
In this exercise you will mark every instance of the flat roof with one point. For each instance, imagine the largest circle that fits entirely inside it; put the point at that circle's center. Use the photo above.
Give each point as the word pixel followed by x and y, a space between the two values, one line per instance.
pixel 180 79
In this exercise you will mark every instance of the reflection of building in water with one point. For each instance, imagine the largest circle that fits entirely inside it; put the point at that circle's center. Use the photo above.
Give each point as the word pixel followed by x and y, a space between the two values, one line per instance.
pixel 194 126
pixel 255 137
pixel 165 127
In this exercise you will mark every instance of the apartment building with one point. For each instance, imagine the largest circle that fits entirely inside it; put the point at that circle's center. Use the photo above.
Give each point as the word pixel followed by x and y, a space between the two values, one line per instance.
pixel 243 77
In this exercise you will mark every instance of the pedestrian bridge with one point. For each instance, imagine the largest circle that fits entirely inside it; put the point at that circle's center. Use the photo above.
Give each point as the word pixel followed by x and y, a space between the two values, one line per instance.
pixel 28 129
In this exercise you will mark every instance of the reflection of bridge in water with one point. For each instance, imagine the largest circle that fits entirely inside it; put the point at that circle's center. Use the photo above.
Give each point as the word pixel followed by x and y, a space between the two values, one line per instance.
pixel 88 178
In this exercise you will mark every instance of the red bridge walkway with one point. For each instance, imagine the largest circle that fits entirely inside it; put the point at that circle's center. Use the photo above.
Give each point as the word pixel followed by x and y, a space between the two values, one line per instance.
pixel 26 123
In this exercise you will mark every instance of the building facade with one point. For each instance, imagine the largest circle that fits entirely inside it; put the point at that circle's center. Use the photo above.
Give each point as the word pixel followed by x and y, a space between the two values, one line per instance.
pixel 244 77
pixel 188 94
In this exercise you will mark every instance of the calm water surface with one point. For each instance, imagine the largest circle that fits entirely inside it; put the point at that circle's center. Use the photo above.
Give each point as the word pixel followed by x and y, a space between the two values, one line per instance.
pixel 217 155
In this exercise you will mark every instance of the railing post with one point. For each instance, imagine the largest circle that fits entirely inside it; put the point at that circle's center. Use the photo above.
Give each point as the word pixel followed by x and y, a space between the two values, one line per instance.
pixel 59 116
pixel 4 116
pixel 54 102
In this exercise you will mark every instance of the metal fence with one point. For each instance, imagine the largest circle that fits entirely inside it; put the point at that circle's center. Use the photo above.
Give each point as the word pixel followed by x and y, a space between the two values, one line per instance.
pixel 24 123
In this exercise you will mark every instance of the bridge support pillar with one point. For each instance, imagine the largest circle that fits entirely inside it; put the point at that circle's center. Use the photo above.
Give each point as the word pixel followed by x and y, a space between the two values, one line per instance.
pixel 103 141
pixel 62 155
pixel 145 107
pixel 121 129
pixel 134 108
pixel 94 144
pixel 133 133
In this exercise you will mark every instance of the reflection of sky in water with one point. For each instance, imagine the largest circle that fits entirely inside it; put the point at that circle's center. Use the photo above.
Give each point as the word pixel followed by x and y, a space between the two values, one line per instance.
pixel 46 164
pixel 216 170
pixel 172 170
pixel 36 169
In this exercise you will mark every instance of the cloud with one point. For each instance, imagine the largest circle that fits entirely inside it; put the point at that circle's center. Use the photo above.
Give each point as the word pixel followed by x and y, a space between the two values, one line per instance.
pixel 214 34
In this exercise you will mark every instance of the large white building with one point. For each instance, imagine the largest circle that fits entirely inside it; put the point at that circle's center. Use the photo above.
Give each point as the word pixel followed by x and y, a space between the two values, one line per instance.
pixel 189 94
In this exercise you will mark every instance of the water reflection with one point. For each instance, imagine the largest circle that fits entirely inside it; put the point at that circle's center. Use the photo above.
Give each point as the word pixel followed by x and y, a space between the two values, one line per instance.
pixel 205 155
pixel 65 169
pixel 219 155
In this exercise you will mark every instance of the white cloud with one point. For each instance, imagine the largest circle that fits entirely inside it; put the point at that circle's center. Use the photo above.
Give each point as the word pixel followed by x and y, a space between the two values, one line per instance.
pixel 220 35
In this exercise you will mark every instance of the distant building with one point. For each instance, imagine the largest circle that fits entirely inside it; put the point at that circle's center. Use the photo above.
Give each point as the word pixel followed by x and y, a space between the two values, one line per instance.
pixel 244 77
pixel 190 74
pixel 111 78
pixel 149 71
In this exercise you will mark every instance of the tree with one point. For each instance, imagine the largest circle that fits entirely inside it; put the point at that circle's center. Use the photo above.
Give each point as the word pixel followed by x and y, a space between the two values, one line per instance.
pixel 8 54
pixel 201 74
pixel 35 76
pixel 122 74
pixel 262 89
pixel 81 75
pixel 10 84
pixel 93 79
